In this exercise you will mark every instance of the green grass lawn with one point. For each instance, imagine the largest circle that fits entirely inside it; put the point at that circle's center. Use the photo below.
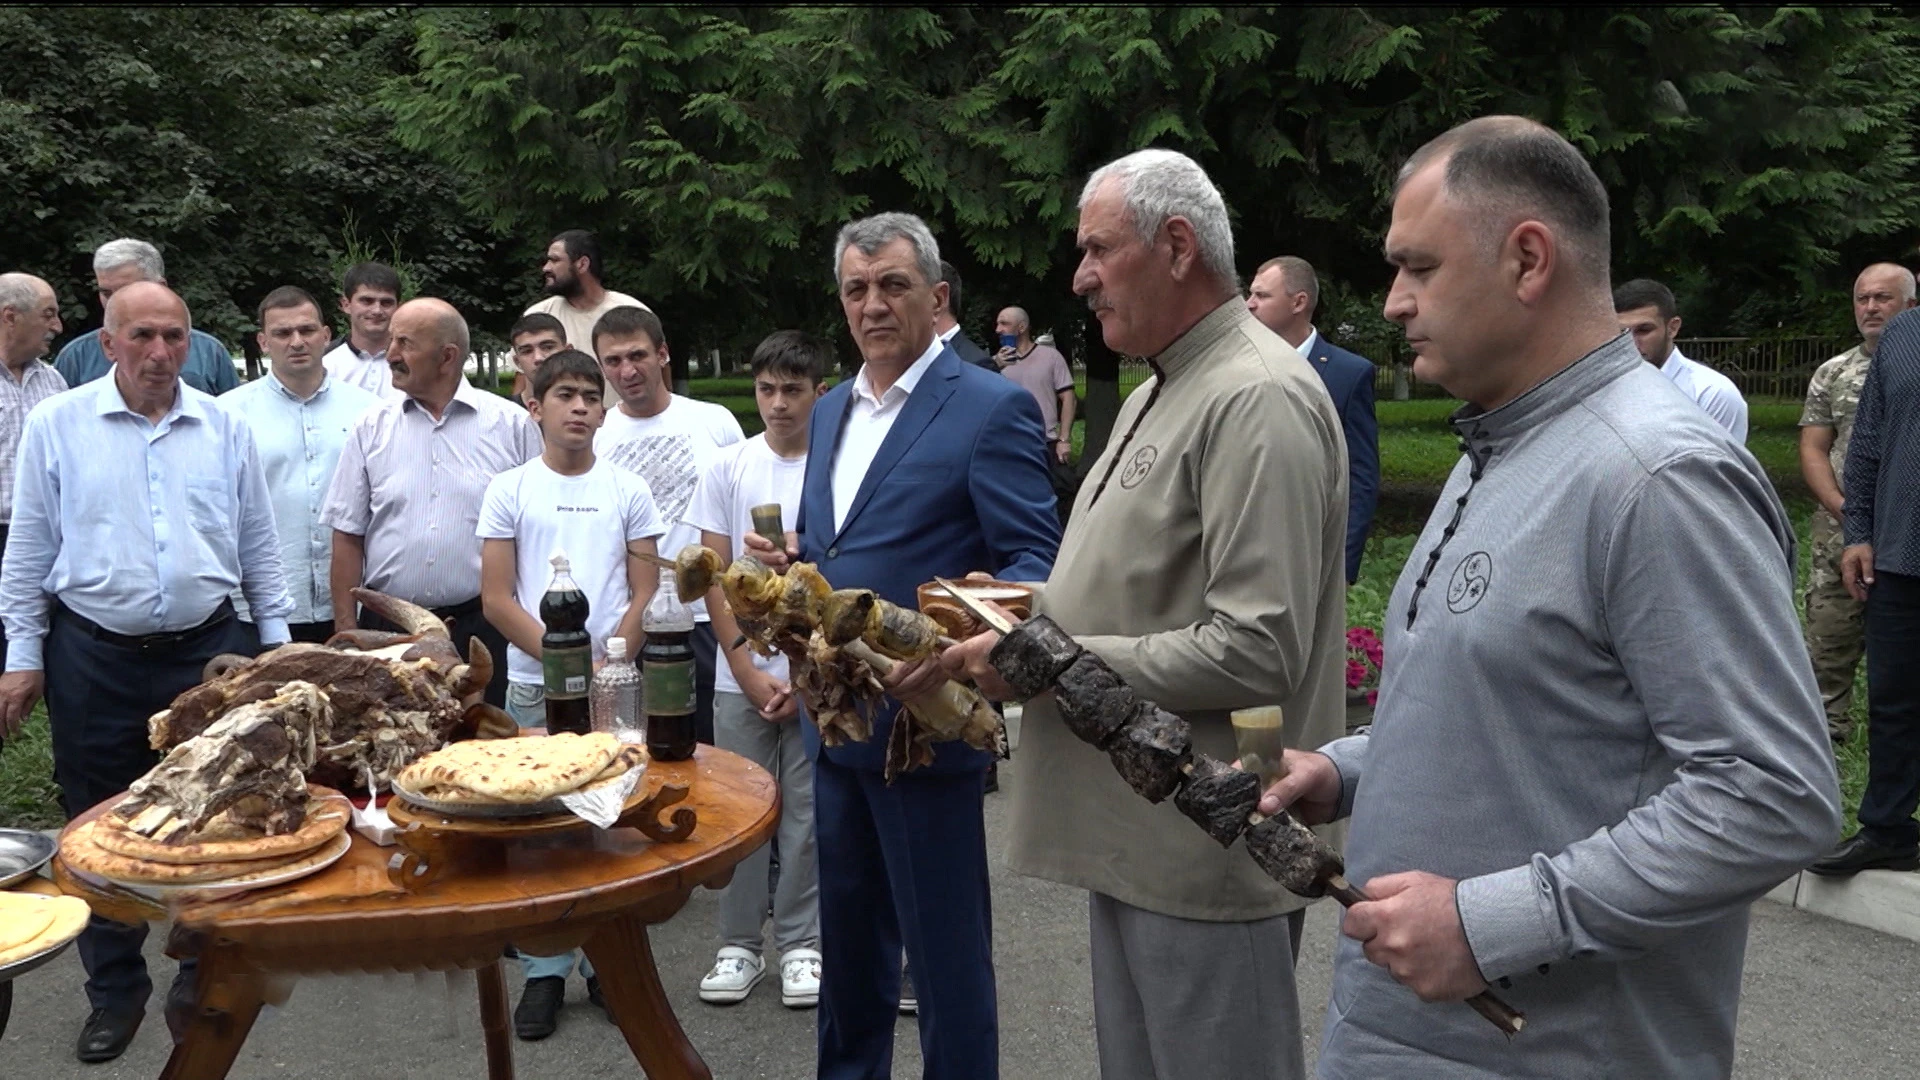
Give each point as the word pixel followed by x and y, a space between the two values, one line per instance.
pixel 1417 451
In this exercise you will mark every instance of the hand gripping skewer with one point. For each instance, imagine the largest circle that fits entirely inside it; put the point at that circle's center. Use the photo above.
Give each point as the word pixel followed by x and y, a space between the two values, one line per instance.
pixel 1329 870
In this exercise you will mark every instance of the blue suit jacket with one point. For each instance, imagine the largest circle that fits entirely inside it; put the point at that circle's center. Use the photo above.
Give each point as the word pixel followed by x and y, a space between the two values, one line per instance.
pixel 959 484
pixel 1349 379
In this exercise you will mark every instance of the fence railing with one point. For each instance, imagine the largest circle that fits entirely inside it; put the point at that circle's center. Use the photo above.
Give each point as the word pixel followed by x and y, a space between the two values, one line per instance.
pixel 1760 367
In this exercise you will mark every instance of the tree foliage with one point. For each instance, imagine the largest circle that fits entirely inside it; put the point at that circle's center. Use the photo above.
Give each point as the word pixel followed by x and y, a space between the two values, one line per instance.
pixel 1756 156
pixel 1751 153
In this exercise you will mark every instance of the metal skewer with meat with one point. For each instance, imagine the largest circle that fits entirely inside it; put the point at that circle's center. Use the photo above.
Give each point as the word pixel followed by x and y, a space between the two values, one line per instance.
pixel 1152 750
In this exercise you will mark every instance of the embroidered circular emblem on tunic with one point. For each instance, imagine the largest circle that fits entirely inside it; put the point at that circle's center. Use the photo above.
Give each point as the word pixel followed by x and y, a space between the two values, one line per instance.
pixel 1138 466
pixel 1468 586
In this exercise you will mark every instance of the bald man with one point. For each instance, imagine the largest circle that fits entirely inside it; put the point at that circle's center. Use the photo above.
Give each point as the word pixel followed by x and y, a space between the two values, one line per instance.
pixel 140 507
pixel 29 321
pixel 1835 639
pixel 1043 372
pixel 406 496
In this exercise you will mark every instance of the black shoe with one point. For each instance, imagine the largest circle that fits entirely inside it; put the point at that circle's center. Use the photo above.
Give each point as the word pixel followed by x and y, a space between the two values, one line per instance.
pixel 1861 852
pixel 106 1034
pixel 993 778
pixel 909 1001
pixel 538 1013
pixel 596 997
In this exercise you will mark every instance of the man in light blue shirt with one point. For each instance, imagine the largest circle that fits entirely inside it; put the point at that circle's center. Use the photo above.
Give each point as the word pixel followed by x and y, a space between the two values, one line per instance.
pixel 138 507
pixel 300 415
pixel 116 265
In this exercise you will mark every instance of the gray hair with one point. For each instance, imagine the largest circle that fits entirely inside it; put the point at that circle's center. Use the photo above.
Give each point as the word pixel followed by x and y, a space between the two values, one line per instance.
pixel 870 234
pixel 1161 184
pixel 115 254
pixel 21 292
pixel 1903 278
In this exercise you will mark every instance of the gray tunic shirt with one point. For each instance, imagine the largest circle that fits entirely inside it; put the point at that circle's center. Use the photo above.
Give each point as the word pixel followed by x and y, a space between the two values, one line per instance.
pixel 1597 715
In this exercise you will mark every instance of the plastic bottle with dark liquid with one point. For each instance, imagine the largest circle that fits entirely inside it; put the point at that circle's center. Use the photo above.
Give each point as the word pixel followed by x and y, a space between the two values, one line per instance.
pixel 666 669
pixel 566 653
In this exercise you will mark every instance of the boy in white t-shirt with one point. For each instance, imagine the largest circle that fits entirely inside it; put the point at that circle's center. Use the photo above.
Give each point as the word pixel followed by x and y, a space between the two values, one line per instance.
pixel 668 439
pixel 600 517
pixel 754 713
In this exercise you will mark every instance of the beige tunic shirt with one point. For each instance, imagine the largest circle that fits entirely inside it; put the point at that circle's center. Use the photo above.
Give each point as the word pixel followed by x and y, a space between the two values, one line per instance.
pixel 1209 571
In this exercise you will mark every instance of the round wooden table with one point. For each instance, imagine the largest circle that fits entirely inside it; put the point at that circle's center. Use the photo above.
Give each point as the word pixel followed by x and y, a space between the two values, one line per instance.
pixel 543 894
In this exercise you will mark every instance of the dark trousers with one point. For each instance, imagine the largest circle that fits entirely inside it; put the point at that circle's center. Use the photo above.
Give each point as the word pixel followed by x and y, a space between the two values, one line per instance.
pixel 1893 710
pixel 706 651
pixel 466 622
pixel 99 696
pixel 904 864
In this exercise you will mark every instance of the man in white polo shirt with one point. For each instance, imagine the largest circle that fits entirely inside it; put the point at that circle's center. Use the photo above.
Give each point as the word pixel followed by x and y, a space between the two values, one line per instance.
pixel 1647 311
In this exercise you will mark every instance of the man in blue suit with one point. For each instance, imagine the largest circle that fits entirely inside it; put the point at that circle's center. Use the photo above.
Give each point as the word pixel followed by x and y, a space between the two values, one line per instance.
pixel 1283 295
pixel 920 465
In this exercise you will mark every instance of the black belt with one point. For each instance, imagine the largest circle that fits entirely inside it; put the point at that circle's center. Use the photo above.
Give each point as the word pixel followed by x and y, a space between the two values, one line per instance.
pixel 458 611
pixel 146 642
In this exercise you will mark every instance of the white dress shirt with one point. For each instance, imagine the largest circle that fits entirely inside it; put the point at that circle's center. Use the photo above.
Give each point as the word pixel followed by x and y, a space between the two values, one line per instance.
pixel 366 370
pixel 300 443
pixel 142 528
pixel 1710 390
pixel 869 418
pixel 412 486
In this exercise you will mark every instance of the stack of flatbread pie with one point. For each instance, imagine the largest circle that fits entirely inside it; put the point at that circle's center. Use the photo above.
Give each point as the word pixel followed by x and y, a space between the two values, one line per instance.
pixel 31 924
pixel 519 772
pixel 108 847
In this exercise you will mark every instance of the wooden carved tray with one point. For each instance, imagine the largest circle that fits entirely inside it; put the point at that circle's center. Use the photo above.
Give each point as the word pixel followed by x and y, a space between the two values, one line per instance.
pixel 431 841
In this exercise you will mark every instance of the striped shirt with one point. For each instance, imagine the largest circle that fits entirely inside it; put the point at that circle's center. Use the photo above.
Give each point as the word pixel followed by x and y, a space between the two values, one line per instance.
pixel 38 382
pixel 1883 462
pixel 412 487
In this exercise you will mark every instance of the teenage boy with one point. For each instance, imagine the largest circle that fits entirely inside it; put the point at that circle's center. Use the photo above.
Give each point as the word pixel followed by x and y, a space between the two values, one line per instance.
pixel 369 295
pixel 603 519
pixel 533 339
pixel 670 440
pixel 754 713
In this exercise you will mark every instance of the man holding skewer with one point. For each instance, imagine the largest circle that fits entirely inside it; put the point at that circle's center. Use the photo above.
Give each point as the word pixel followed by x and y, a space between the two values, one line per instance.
pixel 1204 563
pixel 1598 740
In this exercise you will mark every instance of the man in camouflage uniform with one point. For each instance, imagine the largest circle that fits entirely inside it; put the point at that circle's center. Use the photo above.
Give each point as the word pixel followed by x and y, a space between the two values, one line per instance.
pixel 1834 635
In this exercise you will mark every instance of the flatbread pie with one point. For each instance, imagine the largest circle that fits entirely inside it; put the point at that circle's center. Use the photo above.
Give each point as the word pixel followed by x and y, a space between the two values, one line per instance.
pixel 513 771
pixel 326 818
pixel 31 924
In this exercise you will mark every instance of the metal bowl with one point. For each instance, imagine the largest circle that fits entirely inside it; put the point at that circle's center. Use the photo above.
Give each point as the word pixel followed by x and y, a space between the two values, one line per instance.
pixel 544 808
pixel 22 853
pixel 10 972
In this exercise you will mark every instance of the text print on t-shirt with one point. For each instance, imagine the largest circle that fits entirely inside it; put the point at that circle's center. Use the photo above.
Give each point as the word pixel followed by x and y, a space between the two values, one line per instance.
pixel 667 464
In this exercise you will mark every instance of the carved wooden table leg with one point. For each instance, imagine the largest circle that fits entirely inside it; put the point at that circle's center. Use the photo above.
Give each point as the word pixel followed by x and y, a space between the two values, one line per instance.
pixel 622 957
pixel 493 1022
pixel 230 999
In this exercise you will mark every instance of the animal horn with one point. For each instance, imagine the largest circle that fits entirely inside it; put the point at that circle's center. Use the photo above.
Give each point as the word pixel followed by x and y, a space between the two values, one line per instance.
pixel 478 670
pixel 410 617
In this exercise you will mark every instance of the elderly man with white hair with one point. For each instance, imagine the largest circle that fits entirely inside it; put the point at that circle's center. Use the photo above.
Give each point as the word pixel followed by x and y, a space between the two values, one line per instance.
pixel 1205 562
pixel 116 265
pixel 29 321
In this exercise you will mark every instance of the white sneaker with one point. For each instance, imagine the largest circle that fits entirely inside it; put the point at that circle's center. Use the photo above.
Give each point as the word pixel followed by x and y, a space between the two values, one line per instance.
pixel 800 979
pixel 735 973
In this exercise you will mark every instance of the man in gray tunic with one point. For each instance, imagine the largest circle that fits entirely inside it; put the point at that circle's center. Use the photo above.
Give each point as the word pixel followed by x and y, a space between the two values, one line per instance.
pixel 1598 739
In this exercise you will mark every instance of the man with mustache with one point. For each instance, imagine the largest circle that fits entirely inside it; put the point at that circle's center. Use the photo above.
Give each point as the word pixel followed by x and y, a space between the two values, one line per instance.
pixel 575 295
pixel 300 414
pixel 1204 561
pixel 406 496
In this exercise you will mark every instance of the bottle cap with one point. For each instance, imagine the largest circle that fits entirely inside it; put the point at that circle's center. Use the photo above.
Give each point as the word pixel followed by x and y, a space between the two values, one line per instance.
pixel 616 648
pixel 560 564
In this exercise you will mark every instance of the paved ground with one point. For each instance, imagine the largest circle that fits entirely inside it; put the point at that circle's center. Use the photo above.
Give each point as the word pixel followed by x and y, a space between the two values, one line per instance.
pixel 1823 999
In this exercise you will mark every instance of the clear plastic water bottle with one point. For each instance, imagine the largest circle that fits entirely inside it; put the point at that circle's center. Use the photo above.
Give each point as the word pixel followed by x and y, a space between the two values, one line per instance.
pixel 618 702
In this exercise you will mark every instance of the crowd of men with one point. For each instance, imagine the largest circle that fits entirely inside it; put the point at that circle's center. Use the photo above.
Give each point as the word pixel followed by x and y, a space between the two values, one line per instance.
pixel 1597 741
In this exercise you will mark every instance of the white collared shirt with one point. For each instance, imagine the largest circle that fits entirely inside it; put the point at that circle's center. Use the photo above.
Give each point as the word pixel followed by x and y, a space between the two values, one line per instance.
pixel 869 418
pixel 1305 348
pixel 947 335
pixel 1712 391
pixel 366 370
